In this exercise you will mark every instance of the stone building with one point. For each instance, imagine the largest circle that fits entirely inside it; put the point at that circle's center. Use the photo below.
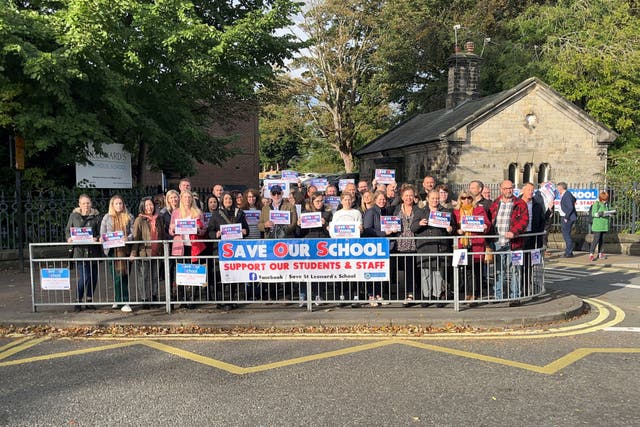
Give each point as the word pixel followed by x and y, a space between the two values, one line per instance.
pixel 529 133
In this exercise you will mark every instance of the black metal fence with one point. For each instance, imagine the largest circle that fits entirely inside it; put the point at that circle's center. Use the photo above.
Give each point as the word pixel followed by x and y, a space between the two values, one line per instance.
pixel 46 213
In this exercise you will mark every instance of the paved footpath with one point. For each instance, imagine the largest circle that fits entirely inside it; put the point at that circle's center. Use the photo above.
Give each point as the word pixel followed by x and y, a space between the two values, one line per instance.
pixel 15 309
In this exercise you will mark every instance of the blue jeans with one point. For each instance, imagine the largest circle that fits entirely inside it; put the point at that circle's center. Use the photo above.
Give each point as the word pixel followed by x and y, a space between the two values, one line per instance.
pixel 504 266
pixel 87 278
pixel 566 235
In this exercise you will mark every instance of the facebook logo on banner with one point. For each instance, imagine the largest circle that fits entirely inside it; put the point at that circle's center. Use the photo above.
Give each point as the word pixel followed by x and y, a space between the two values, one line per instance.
pixel 253 277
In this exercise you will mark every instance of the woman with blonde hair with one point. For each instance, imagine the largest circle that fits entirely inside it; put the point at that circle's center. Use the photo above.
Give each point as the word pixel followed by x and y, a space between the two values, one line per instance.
pixel 187 244
pixel 468 216
pixel 118 219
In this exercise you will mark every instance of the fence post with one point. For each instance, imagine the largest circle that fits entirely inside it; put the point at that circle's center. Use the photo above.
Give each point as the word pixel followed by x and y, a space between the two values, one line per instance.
pixel 167 276
pixel 33 282
pixel 634 209
pixel 456 280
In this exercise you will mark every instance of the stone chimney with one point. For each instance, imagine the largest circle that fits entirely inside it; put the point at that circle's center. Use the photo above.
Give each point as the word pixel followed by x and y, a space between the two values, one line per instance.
pixel 464 76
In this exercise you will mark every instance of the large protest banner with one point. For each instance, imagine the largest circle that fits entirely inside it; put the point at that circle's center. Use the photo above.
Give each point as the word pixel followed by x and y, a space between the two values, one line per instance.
pixel 301 260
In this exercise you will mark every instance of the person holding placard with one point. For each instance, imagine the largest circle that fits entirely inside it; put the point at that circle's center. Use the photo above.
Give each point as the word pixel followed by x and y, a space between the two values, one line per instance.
pixel 147 227
pixel 473 221
pixel 223 225
pixel 347 222
pixel 84 226
pixel 187 227
pixel 406 211
pixel 510 217
pixel 373 227
pixel 436 223
pixel 314 224
pixel 600 215
pixel 115 230
pixel 278 220
pixel 252 206
pixel 309 227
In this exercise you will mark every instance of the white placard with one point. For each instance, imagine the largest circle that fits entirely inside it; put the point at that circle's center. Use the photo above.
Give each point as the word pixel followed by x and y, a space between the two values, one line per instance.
pixel 186 226
pixel 344 229
pixel 280 217
pixel 459 257
pixel 230 231
pixel 81 234
pixel 311 220
pixel 114 239
pixel 517 258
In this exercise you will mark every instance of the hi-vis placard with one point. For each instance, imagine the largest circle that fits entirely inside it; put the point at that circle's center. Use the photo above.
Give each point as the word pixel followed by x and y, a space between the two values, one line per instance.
pixel 298 260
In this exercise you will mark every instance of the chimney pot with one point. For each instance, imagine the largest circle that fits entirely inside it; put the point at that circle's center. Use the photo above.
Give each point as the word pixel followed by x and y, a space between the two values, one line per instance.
pixel 469 47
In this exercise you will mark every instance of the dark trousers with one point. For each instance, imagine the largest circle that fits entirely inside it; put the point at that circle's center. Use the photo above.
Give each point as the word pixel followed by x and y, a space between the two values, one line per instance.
pixel 566 235
pixel 598 240
pixel 87 278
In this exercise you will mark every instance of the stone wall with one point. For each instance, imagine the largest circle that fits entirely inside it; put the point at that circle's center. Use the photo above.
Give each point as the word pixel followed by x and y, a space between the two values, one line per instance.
pixel 534 129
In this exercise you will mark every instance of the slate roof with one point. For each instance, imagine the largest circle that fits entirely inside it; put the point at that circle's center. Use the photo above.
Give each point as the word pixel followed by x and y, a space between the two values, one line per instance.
pixel 436 125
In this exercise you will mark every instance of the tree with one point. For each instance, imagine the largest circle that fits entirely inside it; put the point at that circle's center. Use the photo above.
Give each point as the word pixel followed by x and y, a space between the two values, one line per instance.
pixel 343 105
pixel 588 53
pixel 151 75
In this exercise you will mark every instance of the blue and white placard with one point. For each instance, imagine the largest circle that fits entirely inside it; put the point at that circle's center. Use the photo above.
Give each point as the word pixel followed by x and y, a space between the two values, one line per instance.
pixel 55 279
pixel 191 274
pixel 280 217
pixel 439 219
pixel 311 220
pixel 81 234
pixel 114 239
pixel 385 176
pixel 472 223
pixel 186 226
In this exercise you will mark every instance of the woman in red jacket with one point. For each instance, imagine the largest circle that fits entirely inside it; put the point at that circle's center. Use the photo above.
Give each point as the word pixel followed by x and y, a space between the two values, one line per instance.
pixel 472 221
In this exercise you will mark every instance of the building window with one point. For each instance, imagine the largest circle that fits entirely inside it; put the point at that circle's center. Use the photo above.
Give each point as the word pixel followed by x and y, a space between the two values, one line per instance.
pixel 513 174
pixel 529 171
pixel 544 173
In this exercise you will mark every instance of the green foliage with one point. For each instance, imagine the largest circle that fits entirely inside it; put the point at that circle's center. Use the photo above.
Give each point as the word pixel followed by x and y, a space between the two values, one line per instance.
pixel 154 76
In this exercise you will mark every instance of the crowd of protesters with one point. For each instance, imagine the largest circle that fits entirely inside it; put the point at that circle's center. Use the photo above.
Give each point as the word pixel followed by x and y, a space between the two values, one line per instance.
pixel 413 277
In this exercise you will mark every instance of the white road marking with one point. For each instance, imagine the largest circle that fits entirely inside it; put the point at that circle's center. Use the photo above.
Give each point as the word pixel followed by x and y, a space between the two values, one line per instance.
pixel 622 329
pixel 625 285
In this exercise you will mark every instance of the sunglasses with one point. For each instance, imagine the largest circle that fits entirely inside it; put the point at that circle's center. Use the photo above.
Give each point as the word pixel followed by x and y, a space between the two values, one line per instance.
pixel 466 198
pixel 276 193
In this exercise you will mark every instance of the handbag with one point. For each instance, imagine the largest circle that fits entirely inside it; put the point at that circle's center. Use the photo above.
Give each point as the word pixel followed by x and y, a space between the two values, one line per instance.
pixel 177 249
pixel 488 258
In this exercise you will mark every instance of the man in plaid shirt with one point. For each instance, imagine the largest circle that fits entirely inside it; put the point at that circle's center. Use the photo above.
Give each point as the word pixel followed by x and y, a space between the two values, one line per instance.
pixel 509 217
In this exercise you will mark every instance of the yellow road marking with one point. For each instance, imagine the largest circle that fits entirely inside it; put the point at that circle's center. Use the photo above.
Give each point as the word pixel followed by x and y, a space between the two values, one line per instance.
pixel 23 346
pixel 604 312
pixel 67 353
pixel 14 343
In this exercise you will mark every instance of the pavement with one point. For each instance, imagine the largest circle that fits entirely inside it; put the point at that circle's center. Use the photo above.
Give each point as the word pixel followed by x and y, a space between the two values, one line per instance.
pixel 556 305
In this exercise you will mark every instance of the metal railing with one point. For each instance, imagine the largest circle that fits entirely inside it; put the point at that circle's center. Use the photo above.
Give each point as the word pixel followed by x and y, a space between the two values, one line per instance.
pixel 46 213
pixel 415 279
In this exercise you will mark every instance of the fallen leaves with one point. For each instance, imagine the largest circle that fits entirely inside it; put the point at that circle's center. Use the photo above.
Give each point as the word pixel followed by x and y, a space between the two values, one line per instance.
pixel 140 331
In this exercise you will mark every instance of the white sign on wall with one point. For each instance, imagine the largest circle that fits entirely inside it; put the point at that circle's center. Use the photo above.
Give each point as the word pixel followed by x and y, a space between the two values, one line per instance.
pixel 109 170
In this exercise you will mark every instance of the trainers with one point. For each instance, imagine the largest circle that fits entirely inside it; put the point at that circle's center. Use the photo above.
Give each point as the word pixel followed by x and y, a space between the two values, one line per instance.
pixel 602 256
pixel 126 308
pixel 355 304
pixel 591 257
pixel 114 306
pixel 381 301
pixel 77 308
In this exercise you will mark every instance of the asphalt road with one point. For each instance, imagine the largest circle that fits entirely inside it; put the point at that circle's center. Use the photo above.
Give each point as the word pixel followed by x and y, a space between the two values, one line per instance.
pixel 582 372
